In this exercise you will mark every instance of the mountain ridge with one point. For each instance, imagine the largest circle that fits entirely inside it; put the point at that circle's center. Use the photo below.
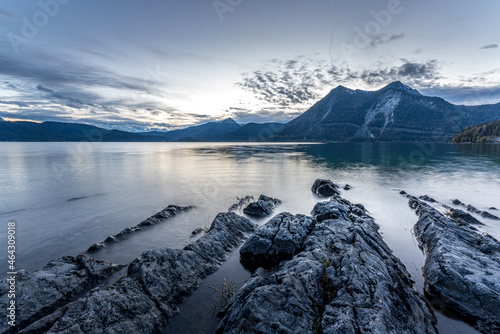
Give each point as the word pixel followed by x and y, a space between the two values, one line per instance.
pixel 395 112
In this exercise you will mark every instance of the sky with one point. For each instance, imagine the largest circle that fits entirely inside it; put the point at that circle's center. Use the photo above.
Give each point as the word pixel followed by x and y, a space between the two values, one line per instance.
pixel 167 64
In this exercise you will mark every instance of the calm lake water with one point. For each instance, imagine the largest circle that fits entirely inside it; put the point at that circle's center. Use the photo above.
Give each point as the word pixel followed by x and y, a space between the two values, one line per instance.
pixel 67 196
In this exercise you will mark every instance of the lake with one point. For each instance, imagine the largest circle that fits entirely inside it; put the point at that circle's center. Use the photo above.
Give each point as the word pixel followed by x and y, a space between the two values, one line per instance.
pixel 66 196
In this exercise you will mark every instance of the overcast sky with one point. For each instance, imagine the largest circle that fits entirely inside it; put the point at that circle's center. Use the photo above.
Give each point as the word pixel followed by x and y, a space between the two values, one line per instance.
pixel 147 64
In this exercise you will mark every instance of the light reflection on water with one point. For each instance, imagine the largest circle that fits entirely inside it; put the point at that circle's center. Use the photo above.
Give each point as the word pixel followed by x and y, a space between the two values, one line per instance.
pixel 120 184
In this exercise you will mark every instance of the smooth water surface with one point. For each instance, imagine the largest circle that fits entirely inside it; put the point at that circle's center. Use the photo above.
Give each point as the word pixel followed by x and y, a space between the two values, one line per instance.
pixel 67 196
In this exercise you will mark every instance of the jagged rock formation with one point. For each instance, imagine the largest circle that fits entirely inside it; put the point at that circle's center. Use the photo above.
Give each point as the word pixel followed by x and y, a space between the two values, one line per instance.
pixel 241 202
pixel 165 214
pixel 343 279
pixel 428 199
pixel 462 268
pixel 463 217
pixel 471 208
pixel 324 188
pixel 43 291
pixel 155 285
pixel 264 206
pixel 279 239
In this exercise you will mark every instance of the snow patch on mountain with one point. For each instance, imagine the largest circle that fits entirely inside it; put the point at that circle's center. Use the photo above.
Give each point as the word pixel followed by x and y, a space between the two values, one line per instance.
pixel 386 107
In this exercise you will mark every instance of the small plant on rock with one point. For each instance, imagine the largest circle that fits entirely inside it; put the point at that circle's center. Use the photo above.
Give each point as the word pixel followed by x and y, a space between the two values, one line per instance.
pixel 223 295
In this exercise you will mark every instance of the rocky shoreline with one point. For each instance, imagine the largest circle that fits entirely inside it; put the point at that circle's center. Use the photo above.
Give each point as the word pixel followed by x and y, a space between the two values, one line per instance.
pixel 165 214
pixel 462 267
pixel 42 292
pixel 327 272
pixel 332 273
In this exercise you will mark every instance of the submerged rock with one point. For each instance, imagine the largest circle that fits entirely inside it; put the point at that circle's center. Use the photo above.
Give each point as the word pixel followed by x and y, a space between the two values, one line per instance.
pixel 167 213
pixel 473 209
pixel 428 199
pixel 344 279
pixel 324 188
pixel 264 206
pixel 462 268
pixel 43 291
pixel 488 215
pixel 196 232
pixel 463 217
pixel 278 240
pixel 155 285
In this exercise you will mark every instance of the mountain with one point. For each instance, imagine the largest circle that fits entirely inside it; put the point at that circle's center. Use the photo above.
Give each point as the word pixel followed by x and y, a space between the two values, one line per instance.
pixel 393 113
pixel 253 132
pixel 153 133
pixel 487 132
pixel 56 131
pixel 204 131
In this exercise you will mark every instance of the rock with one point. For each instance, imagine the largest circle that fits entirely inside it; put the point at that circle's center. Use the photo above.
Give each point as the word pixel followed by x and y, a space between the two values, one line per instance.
pixel 428 199
pixel 486 214
pixel 278 240
pixel 43 291
pixel 196 232
pixel 462 268
pixel 402 192
pixel 155 285
pixel 347 187
pixel 240 204
pixel 263 207
pixel 493 208
pixel 167 213
pixel 361 206
pixel 472 209
pixel 44 324
pixel 329 210
pixel 464 217
pixel 324 188
pixel 344 280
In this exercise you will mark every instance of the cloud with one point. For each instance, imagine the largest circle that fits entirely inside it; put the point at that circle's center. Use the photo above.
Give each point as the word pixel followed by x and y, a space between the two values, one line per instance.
pixel 43 89
pixel 292 82
pixel 71 89
pixel 301 81
pixel 61 71
pixel 379 39
pixel 411 72
pixel 489 46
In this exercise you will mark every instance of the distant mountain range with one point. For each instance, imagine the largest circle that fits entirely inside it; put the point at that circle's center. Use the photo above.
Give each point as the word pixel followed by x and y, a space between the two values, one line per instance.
pixel 484 133
pixel 393 113
pixel 226 130
pixel 56 131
